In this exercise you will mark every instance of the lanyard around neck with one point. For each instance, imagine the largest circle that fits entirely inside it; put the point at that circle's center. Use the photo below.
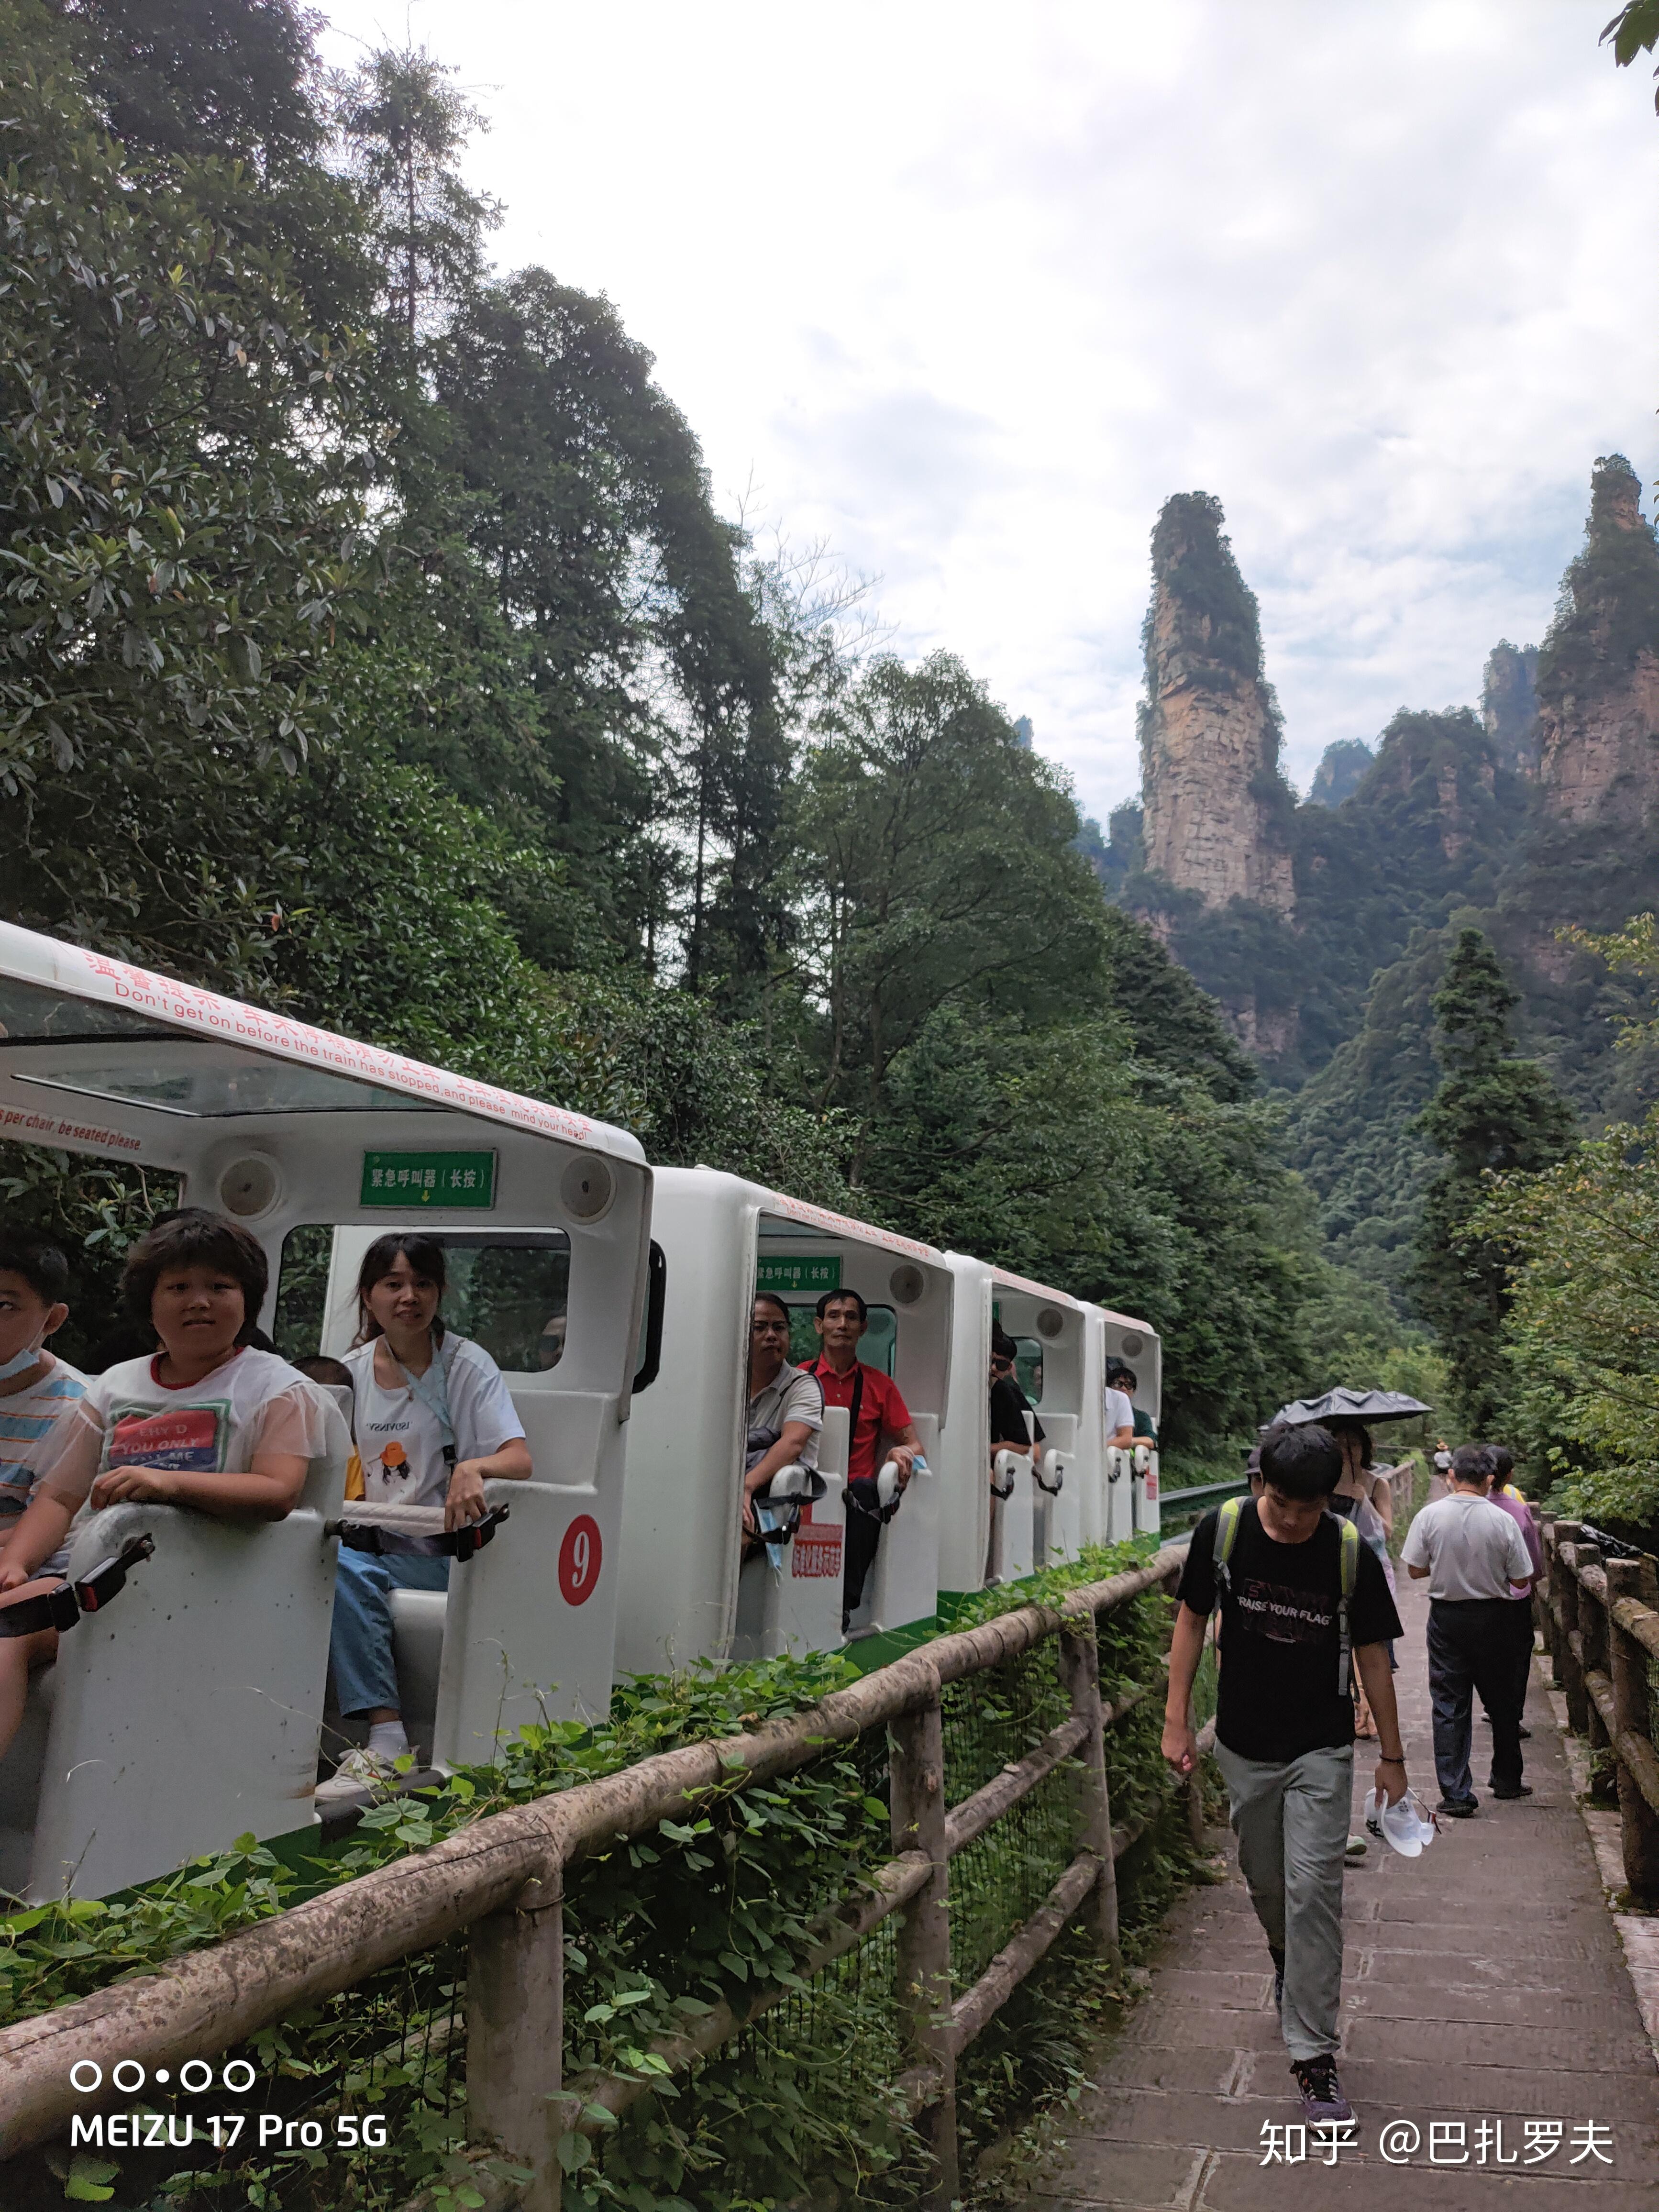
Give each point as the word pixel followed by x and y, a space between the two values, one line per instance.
pixel 434 1398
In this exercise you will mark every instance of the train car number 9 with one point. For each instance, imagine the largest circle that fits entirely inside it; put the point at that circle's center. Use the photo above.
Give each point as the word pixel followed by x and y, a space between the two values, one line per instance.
pixel 580 1556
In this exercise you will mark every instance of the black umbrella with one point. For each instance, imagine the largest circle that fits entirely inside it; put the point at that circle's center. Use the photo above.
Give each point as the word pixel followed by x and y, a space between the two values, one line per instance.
pixel 1367 1405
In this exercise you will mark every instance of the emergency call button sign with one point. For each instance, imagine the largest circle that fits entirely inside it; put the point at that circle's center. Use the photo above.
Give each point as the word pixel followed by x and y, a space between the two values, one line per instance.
pixel 799 1278
pixel 465 1181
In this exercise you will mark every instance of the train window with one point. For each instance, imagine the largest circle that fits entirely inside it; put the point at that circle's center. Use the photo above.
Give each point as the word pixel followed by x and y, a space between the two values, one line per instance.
pixel 1027 1367
pixel 509 1293
pixel 303 1289
pixel 878 1346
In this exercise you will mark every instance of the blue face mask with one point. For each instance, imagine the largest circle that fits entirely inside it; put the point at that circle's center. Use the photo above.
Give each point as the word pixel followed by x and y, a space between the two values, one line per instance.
pixel 20 1362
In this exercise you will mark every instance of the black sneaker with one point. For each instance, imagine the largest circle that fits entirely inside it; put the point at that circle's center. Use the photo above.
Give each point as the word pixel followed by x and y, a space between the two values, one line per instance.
pixel 1459 1808
pixel 1520 1789
pixel 1321 2093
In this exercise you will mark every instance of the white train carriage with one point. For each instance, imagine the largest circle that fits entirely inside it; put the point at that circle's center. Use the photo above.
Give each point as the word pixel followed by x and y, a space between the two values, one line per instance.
pixel 189 1711
pixel 1130 1489
pixel 1006 1517
pixel 687 1591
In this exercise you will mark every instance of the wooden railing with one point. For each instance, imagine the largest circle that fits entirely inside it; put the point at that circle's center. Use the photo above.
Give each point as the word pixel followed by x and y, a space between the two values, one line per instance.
pixel 501 1880
pixel 1600 1624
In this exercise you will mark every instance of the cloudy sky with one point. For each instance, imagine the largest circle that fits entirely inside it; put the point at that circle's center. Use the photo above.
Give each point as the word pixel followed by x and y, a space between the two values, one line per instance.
pixel 967 291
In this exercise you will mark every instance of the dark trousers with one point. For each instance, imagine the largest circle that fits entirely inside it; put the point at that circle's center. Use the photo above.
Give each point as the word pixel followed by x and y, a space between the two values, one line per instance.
pixel 1520 1623
pixel 863 1539
pixel 1473 1646
pixel 1521 1648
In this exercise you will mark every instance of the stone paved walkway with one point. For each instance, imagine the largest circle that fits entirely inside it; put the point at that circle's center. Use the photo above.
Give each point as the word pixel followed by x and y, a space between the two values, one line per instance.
pixel 1484 1981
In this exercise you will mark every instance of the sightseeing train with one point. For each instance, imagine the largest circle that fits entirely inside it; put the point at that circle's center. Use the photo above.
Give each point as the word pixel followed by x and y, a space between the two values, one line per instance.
pixel 186 1705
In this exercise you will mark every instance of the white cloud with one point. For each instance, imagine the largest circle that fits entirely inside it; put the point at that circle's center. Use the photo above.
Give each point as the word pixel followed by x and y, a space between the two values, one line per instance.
pixel 971 290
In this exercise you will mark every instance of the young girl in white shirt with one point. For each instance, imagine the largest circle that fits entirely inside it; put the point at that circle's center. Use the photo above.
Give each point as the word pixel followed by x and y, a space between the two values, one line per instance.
pixel 434 1422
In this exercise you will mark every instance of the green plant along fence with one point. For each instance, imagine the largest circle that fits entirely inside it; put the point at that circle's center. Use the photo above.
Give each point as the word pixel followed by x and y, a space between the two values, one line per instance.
pixel 680 1927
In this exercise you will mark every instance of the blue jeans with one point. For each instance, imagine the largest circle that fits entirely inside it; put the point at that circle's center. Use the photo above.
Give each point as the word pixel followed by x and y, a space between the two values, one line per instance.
pixel 360 1648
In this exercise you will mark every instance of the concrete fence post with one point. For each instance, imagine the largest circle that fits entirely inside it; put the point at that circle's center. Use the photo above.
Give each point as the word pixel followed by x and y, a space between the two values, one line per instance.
pixel 1080 1669
pixel 916 1766
pixel 1638 1824
pixel 515 2036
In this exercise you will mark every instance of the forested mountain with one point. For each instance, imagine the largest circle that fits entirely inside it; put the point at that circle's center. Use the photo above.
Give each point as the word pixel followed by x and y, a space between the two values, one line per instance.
pixel 1530 819
pixel 371 647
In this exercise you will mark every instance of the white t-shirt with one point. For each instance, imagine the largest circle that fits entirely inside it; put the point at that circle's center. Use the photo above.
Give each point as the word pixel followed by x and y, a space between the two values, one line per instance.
pixel 1471 1546
pixel 254 1402
pixel 400 1439
pixel 1120 1414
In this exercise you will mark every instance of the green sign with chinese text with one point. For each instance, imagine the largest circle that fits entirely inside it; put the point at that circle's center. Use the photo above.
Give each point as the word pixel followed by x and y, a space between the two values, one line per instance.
pixel 463 1181
pixel 799 1278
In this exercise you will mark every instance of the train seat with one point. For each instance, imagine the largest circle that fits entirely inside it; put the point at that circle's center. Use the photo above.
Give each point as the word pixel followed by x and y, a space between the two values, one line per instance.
pixel 902 1585
pixel 509 1643
pixel 187 1713
pixel 794 1606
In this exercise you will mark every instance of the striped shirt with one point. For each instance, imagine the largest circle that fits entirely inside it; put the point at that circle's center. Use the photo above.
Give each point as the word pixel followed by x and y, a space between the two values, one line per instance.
pixel 27 1419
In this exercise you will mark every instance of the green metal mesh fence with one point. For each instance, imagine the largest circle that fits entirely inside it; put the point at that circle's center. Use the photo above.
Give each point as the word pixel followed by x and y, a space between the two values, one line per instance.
pixel 389 2052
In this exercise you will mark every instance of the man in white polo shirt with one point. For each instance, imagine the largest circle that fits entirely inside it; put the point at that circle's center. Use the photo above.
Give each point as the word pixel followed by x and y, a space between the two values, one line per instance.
pixel 1471 1551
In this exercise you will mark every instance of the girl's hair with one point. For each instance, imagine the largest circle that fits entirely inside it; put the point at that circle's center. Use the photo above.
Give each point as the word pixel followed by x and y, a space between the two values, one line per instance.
pixel 194 1238
pixel 425 1256
pixel 1360 1433
pixel 771 1299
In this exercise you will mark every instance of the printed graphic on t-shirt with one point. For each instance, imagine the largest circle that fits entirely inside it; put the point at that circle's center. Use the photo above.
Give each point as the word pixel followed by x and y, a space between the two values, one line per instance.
pixel 394 1461
pixel 180 1440
pixel 1282 1614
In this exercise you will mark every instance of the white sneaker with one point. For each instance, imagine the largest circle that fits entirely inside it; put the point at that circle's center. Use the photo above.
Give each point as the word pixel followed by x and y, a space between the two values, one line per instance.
pixel 357 1772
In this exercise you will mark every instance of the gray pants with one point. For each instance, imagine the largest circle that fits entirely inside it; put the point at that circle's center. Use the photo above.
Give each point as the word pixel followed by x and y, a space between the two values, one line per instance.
pixel 1292 1822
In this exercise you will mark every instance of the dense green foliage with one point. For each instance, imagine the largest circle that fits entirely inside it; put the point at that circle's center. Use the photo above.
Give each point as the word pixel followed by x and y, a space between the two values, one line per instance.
pixel 1490 1114
pixel 1580 1331
pixel 1342 769
pixel 1424 830
pixel 371 648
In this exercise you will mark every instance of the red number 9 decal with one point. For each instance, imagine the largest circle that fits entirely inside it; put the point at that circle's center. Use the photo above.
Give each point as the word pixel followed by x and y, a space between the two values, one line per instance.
pixel 580 1556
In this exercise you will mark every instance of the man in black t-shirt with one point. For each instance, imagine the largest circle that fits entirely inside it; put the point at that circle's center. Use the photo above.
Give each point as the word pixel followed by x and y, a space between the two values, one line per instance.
pixel 1284 1723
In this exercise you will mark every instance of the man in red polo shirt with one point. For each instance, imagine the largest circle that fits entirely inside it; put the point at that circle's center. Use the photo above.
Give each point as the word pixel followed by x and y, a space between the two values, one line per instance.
pixel 881 1428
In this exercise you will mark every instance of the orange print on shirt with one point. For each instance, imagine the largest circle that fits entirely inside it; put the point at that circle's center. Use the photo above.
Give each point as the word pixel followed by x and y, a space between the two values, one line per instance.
pixel 394 1459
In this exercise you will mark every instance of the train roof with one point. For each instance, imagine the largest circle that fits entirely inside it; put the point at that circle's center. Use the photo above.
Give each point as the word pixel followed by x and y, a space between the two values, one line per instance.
pixel 97 1055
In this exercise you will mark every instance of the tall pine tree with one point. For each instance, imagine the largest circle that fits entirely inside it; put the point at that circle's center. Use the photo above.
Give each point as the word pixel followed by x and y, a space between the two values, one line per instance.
pixel 1492 1112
